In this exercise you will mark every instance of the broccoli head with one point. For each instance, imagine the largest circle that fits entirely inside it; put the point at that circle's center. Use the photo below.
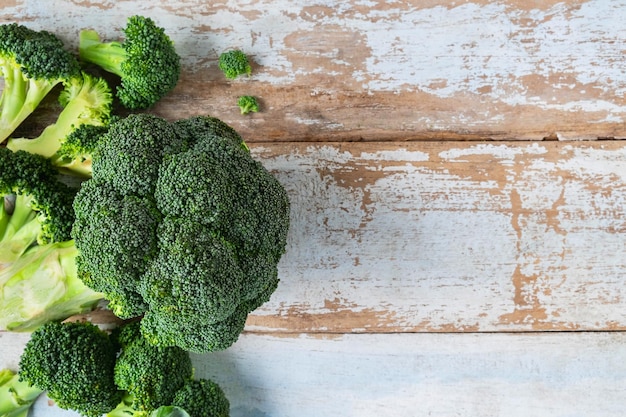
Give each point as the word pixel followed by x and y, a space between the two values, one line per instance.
pixel 234 63
pixel 35 207
pixel 202 398
pixel 205 254
pixel 145 60
pixel 74 362
pixel 150 374
pixel 32 63
pixel 116 237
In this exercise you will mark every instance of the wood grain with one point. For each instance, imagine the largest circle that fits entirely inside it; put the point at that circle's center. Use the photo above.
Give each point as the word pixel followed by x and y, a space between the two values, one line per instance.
pixel 403 70
pixel 450 237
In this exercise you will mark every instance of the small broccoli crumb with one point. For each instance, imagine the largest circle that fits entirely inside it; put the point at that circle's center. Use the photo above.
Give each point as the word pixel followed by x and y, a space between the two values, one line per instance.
pixel 248 104
pixel 234 63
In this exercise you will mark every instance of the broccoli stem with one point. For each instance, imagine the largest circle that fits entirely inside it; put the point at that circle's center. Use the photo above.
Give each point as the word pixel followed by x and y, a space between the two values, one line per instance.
pixel 20 98
pixel 16 397
pixel 21 229
pixel 107 55
pixel 42 286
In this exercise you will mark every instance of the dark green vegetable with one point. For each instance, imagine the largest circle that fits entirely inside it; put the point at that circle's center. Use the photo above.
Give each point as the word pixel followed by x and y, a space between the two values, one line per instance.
pixel 74 362
pixel 234 63
pixel 32 63
pixel 202 398
pixel 145 60
pixel 86 102
pixel 248 104
pixel 179 223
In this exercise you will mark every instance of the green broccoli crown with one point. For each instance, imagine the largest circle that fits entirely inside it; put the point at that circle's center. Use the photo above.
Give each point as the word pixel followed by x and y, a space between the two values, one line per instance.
pixel 39 54
pixel 73 362
pixel 32 63
pixel 234 63
pixel 221 227
pixel 116 238
pixel 151 374
pixel 37 207
pixel 131 152
pixel 202 398
pixel 146 61
pixel 248 104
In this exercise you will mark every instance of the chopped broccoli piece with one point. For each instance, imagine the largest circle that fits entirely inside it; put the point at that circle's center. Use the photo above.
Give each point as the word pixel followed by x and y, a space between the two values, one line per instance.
pixel 32 63
pixel 248 104
pixel 86 101
pixel 204 254
pixel 234 63
pixel 16 397
pixel 202 398
pixel 74 362
pixel 146 61
pixel 150 374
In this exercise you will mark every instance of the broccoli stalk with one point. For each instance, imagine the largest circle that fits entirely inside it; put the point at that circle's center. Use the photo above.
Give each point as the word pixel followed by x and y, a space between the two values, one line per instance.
pixel 16 397
pixel 85 100
pixel 42 286
pixel 146 61
pixel 32 63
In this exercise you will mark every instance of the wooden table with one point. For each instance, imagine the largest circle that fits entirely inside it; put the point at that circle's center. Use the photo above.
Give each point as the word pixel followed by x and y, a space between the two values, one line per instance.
pixel 458 189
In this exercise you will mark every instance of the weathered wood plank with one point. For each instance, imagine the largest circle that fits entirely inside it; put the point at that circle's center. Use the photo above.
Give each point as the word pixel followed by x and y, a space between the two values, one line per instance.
pixel 354 70
pixel 439 236
pixel 472 375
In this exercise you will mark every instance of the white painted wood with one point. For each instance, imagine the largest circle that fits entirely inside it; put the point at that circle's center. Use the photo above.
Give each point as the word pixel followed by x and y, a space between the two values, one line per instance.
pixel 411 375
pixel 394 237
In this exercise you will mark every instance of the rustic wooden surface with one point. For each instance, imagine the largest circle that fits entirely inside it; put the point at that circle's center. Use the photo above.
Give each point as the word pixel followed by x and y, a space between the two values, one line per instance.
pixel 443 259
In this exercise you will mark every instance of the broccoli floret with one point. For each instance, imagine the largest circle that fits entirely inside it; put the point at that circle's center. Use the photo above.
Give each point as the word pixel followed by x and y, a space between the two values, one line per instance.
pixel 35 206
pixel 248 104
pixel 32 63
pixel 234 63
pixel 74 362
pixel 146 61
pixel 16 397
pixel 86 101
pixel 202 398
pixel 150 374
pixel 209 255
pixel 131 151
pixel 116 238
pixel 76 152
pixel 42 286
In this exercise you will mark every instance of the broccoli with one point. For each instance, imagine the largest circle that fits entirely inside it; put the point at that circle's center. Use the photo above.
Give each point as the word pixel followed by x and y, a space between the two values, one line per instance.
pixel 146 61
pixel 202 398
pixel 42 286
pixel 204 254
pixel 32 64
pixel 35 207
pixel 234 63
pixel 86 101
pixel 248 104
pixel 150 374
pixel 38 273
pixel 76 151
pixel 74 362
pixel 16 397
